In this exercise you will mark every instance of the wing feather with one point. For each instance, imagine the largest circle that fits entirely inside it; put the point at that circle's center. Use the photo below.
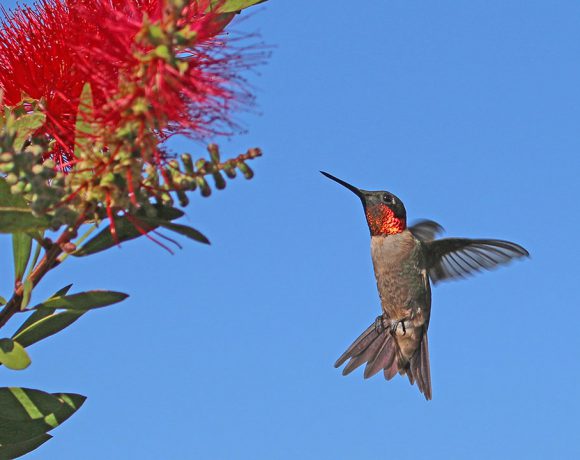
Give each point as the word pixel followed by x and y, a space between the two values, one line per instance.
pixel 453 258
pixel 426 230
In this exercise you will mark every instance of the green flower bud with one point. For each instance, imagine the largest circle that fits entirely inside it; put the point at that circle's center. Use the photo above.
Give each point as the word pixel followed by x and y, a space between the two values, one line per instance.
pixel 187 163
pixel 183 199
pixel 11 179
pixel 246 170
pixel 220 182
pixel 204 187
pixel 214 153
pixel 17 188
pixel 6 157
pixel 7 167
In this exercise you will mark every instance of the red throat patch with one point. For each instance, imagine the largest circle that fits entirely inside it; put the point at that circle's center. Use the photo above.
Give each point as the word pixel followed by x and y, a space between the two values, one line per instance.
pixel 382 221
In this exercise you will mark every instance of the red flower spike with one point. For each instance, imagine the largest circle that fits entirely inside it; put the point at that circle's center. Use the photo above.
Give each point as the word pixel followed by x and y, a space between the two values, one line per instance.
pixel 194 100
pixel 48 52
pixel 36 61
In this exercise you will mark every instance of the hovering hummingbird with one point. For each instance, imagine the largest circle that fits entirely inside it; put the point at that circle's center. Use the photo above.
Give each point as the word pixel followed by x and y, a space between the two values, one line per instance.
pixel 406 260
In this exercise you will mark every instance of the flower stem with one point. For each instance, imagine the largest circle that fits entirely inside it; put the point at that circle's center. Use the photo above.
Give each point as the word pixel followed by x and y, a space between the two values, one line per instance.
pixel 47 263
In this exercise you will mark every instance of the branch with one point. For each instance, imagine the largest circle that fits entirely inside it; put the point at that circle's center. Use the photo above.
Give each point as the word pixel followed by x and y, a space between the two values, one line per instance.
pixel 47 263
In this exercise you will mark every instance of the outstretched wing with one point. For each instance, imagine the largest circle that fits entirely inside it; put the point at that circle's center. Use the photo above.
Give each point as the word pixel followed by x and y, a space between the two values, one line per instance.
pixel 452 258
pixel 426 230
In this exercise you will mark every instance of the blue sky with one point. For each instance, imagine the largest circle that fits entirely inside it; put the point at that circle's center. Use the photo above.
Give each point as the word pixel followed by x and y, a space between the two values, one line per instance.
pixel 469 112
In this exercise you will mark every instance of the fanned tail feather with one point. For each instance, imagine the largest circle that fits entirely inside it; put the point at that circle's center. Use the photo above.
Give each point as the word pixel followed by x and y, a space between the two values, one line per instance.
pixel 419 368
pixel 378 348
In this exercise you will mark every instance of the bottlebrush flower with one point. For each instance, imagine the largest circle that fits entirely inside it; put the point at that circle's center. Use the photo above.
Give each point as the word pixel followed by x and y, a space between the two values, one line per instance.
pixel 154 70
pixel 37 61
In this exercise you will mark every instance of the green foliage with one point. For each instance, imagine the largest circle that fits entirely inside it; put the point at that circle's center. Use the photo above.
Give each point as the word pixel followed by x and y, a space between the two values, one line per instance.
pixel 27 287
pixel 45 323
pixel 121 177
pixel 22 405
pixel 83 127
pixel 83 301
pixel 129 227
pixel 18 449
pixel 15 215
pixel 21 248
pixel 184 230
pixel 25 126
pixel 19 125
pixel 27 415
pixel 37 315
pixel 230 6
pixel 13 355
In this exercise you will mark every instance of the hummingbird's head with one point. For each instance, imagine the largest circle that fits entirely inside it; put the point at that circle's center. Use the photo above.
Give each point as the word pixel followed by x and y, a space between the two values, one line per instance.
pixel 385 212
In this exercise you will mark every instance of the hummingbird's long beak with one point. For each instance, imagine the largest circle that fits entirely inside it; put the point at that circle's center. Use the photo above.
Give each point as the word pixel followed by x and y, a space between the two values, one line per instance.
pixel 352 188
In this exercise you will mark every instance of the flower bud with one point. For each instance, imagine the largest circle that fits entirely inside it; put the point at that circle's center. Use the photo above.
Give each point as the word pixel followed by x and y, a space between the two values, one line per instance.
pixel 187 163
pixel 183 199
pixel 214 153
pixel 204 187
pixel 11 179
pixel 230 170
pixel 246 170
pixel 7 167
pixel 6 157
pixel 220 182
pixel 17 188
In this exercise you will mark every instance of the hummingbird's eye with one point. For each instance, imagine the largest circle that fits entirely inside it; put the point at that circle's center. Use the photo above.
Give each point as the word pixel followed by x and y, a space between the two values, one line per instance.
pixel 387 198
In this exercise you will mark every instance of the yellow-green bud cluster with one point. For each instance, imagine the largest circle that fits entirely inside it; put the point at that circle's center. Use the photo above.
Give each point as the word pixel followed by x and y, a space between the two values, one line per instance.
pixel 38 182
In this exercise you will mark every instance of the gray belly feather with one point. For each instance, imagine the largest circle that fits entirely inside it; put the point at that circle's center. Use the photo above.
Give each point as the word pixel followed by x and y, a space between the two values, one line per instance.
pixel 401 277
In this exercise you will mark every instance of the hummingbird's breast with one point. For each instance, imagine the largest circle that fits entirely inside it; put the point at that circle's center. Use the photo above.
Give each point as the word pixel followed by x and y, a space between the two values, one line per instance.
pixel 401 275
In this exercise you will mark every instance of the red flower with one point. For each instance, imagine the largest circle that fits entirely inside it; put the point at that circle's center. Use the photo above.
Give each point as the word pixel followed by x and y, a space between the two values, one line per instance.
pixel 37 61
pixel 50 51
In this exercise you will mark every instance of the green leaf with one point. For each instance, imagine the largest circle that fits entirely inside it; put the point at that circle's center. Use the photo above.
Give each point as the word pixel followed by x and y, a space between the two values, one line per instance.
pixel 13 355
pixel 84 126
pixel 26 414
pixel 15 215
pixel 2 301
pixel 10 451
pixel 46 323
pixel 61 291
pixel 24 404
pixel 26 291
pixel 25 127
pixel 84 300
pixel 21 248
pixel 230 6
pixel 71 403
pixel 181 229
pixel 36 255
pixel 37 315
pixel 126 230
pixel 162 51
pixel 13 432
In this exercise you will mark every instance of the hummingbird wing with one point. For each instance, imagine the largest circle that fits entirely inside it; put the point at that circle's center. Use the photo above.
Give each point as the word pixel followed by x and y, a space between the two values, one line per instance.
pixel 453 258
pixel 426 230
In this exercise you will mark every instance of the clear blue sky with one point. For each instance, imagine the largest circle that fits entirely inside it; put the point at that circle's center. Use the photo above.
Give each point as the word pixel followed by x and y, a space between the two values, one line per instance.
pixel 467 110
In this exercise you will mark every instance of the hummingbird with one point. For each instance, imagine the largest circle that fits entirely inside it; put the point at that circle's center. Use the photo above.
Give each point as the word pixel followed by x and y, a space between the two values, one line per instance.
pixel 406 261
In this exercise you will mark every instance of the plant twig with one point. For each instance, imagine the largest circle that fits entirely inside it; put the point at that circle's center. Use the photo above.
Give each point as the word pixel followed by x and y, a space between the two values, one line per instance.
pixel 48 262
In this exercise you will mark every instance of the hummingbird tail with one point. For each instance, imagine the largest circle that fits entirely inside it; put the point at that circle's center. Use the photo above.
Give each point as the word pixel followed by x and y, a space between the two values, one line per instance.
pixel 378 348
pixel 419 370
